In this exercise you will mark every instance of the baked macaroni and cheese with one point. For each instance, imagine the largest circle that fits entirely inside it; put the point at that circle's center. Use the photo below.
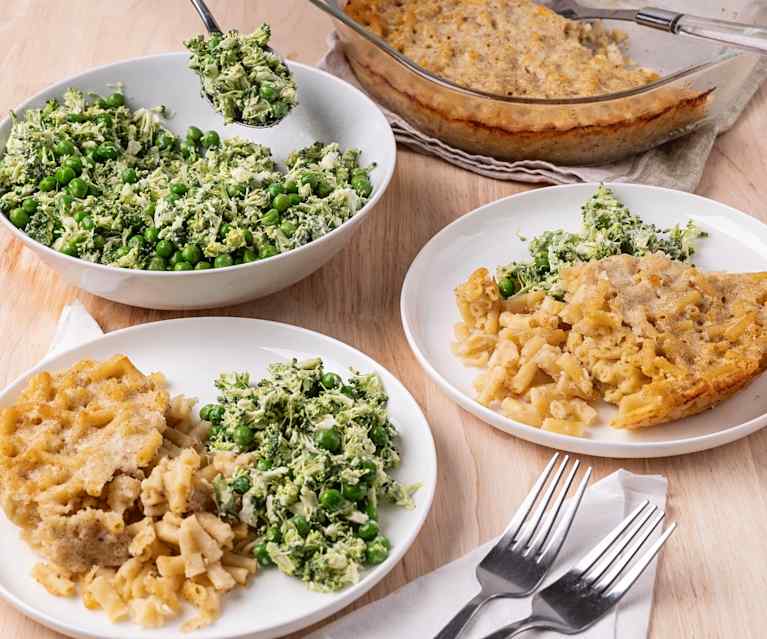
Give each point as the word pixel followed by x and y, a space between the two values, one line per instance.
pixel 611 314
pixel 521 50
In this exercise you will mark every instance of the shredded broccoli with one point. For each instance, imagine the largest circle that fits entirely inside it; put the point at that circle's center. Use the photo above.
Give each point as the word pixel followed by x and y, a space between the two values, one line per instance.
pixel 244 79
pixel 316 453
pixel 609 228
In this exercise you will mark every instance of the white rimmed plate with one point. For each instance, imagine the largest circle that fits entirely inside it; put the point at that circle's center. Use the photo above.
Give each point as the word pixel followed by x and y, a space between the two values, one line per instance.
pixel 191 352
pixel 329 110
pixel 490 236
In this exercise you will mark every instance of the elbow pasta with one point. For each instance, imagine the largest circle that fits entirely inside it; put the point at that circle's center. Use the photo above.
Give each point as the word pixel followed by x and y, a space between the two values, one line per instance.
pixel 659 339
pixel 122 507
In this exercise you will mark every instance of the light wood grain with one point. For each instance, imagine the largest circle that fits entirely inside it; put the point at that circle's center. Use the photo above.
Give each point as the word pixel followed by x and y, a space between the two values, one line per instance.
pixel 711 581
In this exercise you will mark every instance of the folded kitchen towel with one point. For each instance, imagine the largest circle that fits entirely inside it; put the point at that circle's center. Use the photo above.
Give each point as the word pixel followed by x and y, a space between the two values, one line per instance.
pixel 421 608
pixel 677 164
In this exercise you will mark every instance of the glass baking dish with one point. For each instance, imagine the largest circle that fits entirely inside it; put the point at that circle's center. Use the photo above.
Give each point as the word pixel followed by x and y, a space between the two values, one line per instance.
pixel 698 82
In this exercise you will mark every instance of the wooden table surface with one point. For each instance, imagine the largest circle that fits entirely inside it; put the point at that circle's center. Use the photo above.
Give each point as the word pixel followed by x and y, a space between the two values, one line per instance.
pixel 711 581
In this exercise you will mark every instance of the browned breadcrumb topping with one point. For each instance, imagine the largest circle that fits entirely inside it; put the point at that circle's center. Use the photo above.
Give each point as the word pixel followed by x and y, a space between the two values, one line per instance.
pixel 506 47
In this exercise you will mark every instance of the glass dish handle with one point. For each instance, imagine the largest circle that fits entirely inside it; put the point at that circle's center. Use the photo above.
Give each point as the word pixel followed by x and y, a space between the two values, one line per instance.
pixel 743 36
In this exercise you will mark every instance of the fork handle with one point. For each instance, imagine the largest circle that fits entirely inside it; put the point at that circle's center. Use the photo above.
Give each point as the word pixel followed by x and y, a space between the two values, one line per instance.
pixel 518 627
pixel 750 37
pixel 455 626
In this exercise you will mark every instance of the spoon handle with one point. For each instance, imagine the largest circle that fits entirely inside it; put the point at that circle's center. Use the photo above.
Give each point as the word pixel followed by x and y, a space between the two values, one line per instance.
pixel 206 16
pixel 751 37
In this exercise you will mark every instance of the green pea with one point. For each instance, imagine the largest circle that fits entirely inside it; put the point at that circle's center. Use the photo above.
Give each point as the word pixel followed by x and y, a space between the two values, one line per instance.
pixel 172 197
pixel 181 265
pixel 376 552
pixel 187 149
pixel 99 241
pixel 78 188
pixel 324 189
pixel 216 413
pixel 312 179
pixel 508 286
pixel 330 380
pixel 102 103
pixel 224 230
pixel 235 190
pixel 264 464
pixel 166 141
pixel 19 218
pixel 210 139
pixel 137 241
pixel 66 200
pixel 157 263
pixel 116 100
pixel 47 183
pixel 267 91
pixel 29 205
pixel 380 436
pixel 70 248
pixel 165 248
pixel 267 250
pixel 330 499
pixel 64 175
pixel 275 188
pixel 291 186
pixel 175 258
pixel 248 255
pixel 193 135
pixel 202 266
pixel 122 251
pixel 106 151
pixel 354 492
pixel 294 199
pixel 64 147
pixel 151 233
pixel 349 391
pixel 281 202
pixel 368 531
pixel 271 218
pixel 302 526
pixel 74 163
pixel 362 185
pixel 129 176
pixel 371 470
pixel 205 412
pixel 191 253
pixel 247 236
pixel 288 228
pixel 80 215
pixel 75 117
pixel 241 484
pixel 329 439
pixel 222 261
pixel 273 534
pixel 87 223
pixel 179 188
pixel 262 555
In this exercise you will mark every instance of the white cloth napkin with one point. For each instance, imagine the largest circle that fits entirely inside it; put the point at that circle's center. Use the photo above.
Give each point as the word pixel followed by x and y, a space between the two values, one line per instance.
pixel 421 608
pixel 677 164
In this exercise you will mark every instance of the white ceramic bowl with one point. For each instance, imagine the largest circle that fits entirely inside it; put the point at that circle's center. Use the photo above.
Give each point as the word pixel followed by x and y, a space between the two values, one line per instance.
pixel 329 110
pixel 490 236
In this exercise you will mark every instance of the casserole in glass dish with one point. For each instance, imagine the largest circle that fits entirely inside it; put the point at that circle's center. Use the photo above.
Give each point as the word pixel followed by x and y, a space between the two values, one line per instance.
pixel 697 82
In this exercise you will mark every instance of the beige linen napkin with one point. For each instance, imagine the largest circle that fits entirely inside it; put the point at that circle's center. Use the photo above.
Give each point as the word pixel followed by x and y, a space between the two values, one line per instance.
pixel 421 608
pixel 677 164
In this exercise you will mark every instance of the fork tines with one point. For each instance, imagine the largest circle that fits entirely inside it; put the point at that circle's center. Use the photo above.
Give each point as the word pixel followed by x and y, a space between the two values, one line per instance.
pixel 603 566
pixel 532 530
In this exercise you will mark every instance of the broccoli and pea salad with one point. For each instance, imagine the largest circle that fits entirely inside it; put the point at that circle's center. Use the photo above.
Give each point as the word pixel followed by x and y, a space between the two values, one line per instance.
pixel 242 77
pixel 319 451
pixel 94 179
pixel 609 228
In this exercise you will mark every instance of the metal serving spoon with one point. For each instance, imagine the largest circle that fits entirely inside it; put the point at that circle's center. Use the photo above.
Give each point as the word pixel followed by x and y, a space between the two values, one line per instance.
pixel 743 36
pixel 211 26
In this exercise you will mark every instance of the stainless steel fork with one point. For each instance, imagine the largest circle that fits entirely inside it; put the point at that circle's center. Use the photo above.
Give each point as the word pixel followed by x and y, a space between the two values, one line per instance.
pixel 751 37
pixel 517 564
pixel 581 597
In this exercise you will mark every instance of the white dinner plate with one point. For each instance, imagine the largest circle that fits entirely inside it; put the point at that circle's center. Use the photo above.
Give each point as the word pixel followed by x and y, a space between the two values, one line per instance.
pixel 490 236
pixel 191 353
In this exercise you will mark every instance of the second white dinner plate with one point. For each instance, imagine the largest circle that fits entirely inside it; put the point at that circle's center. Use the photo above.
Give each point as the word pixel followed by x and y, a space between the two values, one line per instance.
pixel 192 353
pixel 492 235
